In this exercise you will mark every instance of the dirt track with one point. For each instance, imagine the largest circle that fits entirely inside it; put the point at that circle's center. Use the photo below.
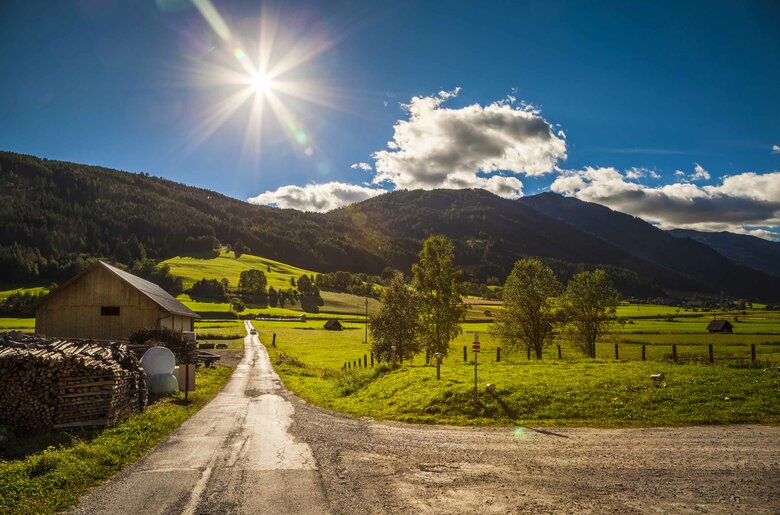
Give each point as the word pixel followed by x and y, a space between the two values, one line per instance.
pixel 376 467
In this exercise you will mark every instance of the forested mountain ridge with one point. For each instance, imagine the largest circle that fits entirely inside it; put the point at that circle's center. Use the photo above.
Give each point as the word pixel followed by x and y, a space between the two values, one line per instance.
pixel 746 250
pixel 56 214
pixel 699 262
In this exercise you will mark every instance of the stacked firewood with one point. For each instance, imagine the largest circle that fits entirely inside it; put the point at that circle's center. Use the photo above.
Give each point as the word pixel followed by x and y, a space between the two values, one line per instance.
pixel 55 383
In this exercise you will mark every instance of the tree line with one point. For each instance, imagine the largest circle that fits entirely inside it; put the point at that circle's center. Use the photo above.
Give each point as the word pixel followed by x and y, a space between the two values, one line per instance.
pixel 425 314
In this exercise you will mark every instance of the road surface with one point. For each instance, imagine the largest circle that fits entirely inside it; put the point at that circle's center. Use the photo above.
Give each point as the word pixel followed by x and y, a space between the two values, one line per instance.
pixel 257 448
pixel 234 456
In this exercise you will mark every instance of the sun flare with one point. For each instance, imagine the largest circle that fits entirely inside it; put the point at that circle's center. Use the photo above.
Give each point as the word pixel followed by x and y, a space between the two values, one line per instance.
pixel 261 83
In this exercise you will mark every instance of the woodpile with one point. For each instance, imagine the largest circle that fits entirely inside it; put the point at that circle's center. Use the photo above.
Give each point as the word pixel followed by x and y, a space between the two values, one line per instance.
pixel 59 384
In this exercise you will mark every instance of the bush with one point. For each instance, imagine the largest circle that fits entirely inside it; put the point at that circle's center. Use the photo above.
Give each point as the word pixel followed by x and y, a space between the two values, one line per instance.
pixel 183 349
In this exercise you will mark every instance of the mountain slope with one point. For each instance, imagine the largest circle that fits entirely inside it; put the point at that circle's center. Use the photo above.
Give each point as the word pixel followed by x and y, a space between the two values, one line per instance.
pixel 746 250
pixel 56 214
pixel 710 270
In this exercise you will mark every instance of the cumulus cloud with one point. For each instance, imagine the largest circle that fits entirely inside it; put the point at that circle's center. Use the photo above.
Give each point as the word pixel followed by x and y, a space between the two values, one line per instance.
pixel 699 173
pixel 738 203
pixel 362 166
pixel 776 149
pixel 467 147
pixel 316 197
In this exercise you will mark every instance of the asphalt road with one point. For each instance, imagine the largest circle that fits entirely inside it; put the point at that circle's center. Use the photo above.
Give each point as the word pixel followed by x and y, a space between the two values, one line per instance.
pixel 234 456
pixel 256 448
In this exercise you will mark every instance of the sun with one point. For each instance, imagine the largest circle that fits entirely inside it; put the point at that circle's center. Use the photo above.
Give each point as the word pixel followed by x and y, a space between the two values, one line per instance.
pixel 261 83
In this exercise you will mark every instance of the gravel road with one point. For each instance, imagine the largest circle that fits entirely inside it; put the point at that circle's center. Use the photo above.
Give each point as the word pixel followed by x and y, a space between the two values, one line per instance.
pixel 256 448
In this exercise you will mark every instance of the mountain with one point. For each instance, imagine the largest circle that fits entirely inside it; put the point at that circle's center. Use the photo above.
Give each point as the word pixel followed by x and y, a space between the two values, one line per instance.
pixel 707 269
pixel 746 250
pixel 57 214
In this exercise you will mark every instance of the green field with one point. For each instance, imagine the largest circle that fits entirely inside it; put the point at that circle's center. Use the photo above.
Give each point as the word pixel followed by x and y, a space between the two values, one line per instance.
pixel 23 325
pixel 570 391
pixel 192 269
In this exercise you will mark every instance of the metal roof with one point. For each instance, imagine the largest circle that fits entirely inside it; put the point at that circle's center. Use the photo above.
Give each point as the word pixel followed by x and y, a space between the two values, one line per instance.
pixel 159 296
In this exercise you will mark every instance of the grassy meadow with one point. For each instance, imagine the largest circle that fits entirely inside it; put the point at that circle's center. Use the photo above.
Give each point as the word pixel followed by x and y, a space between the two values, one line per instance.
pixel 572 391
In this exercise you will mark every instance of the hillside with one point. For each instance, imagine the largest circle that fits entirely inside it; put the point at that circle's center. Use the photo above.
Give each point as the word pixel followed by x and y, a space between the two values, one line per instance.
pixel 57 214
pixel 746 250
pixel 705 269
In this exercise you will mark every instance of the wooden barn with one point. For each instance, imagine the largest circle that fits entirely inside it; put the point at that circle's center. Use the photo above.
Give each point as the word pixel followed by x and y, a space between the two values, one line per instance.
pixel 106 303
pixel 720 326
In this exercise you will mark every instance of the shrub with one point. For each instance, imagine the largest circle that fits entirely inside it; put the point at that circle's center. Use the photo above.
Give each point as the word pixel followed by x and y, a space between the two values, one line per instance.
pixel 183 348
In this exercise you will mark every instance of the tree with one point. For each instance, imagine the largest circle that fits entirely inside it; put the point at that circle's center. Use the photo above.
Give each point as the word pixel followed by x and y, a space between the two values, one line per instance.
pixel 239 248
pixel 252 281
pixel 591 305
pixel 438 283
pixel 530 313
pixel 398 322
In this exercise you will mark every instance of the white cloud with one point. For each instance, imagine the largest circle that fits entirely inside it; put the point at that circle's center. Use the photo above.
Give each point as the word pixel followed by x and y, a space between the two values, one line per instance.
pixel 776 149
pixel 316 197
pixel 637 173
pixel 699 173
pixel 362 166
pixel 439 147
pixel 740 201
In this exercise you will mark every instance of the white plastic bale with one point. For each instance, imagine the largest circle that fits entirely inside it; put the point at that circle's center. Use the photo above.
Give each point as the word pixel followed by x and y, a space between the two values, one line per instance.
pixel 158 360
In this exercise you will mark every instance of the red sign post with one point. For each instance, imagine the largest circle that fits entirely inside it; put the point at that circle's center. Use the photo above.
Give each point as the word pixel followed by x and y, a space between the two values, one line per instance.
pixel 475 350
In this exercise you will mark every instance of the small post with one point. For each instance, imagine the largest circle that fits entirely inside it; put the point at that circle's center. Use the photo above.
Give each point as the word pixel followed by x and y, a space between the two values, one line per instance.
pixel 711 353
pixel 475 348
pixel 349 365
pixel 427 356
pixel 365 361
pixel 644 352
pixel 753 352
pixel 674 352
pixel 560 356
pixel 392 348
pixel 438 365
pixel 498 354
pixel 529 353
pixel 372 360
pixel 273 341
pixel 617 353
pixel 465 354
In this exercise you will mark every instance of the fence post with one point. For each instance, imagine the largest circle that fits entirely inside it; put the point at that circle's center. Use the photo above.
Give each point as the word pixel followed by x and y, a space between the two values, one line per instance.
pixel 753 352
pixel 711 353
pixel 498 354
pixel 365 361
pixel 674 352
pixel 372 360
pixel 644 352
pixel 617 353
pixel 529 353
pixel 349 365
pixel 427 356
pixel 465 354
pixel 559 352
pixel 273 341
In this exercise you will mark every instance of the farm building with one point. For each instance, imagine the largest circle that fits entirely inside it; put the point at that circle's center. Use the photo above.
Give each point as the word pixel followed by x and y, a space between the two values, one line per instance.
pixel 720 326
pixel 333 325
pixel 106 303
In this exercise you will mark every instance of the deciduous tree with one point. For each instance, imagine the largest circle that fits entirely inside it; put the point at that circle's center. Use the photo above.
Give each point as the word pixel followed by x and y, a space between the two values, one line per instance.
pixel 530 309
pixel 438 283
pixel 398 322
pixel 591 305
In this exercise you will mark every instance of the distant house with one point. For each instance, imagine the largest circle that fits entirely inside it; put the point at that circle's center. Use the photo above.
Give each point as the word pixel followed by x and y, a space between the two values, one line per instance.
pixel 333 325
pixel 720 326
pixel 106 303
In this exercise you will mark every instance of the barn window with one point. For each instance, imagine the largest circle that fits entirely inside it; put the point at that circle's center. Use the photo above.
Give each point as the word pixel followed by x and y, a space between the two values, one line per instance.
pixel 109 311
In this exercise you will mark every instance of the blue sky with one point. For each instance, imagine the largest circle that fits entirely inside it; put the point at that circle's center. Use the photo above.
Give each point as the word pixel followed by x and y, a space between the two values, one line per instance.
pixel 657 101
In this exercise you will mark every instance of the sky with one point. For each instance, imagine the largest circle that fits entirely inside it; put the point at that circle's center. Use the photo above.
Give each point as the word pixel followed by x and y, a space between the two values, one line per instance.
pixel 665 110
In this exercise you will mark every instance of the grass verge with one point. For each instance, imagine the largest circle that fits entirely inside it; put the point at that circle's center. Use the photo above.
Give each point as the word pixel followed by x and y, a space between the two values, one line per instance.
pixel 53 478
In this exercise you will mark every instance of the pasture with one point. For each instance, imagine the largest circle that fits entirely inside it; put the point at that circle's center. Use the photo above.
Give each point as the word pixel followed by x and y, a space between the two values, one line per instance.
pixel 573 390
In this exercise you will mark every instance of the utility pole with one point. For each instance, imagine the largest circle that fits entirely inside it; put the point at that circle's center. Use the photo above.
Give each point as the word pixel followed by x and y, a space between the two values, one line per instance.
pixel 365 340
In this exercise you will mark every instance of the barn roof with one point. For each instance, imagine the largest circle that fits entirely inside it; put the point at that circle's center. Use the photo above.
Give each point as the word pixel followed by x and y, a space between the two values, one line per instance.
pixel 718 325
pixel 156 294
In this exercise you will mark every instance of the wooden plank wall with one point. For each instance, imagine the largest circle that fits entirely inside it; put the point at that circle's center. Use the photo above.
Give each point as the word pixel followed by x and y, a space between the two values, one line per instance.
pixel 74 312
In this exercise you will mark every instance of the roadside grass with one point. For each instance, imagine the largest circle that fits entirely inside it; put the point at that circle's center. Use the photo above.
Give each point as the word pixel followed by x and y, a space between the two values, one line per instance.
pixel 63 466
pixel 573 391
pixel 211 329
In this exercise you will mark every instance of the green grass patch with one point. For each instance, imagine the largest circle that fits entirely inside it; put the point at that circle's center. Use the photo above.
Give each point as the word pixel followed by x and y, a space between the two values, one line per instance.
pixel 66 465
pixel 23 325
pixel 574 391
